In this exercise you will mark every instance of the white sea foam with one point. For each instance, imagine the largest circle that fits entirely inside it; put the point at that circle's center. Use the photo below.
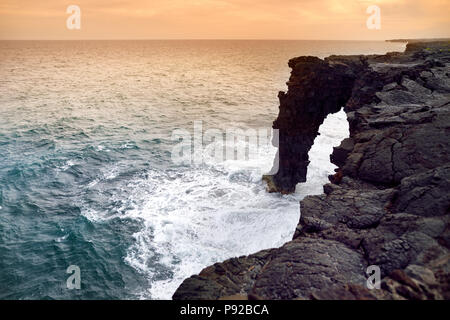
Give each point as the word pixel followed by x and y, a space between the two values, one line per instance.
pixel 67 165
pixel 209 214
pixel 332 132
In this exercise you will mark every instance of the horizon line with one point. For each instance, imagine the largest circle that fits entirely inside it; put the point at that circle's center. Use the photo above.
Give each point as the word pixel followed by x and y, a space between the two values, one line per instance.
pixel 230 39
pixel 209 39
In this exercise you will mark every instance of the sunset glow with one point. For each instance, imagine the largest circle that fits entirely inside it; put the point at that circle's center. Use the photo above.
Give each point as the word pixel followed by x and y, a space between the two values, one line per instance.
pixel 224 19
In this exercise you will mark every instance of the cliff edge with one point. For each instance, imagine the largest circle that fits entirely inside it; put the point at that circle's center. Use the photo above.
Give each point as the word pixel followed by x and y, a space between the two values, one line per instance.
pixel 388 204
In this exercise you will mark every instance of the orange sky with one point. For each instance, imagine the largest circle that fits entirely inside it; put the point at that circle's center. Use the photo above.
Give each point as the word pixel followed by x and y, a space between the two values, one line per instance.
pixel 224 19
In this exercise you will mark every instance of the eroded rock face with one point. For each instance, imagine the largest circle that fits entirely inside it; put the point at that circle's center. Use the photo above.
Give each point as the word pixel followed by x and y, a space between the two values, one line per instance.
pixel 316 88
pixel 305 265
pixel 389 202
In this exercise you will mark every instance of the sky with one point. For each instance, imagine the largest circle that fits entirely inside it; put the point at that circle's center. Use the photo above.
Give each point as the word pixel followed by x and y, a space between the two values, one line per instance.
pixel 224 19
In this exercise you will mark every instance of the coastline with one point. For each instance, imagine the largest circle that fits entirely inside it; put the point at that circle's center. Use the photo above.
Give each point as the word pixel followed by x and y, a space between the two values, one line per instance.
pixel 387 205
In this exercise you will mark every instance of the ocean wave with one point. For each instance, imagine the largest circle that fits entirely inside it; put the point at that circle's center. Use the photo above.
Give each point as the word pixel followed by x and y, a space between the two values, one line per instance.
pixel 194 217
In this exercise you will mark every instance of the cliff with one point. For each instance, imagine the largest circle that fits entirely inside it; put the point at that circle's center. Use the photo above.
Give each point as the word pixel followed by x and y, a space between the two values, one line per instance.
pixel 388 203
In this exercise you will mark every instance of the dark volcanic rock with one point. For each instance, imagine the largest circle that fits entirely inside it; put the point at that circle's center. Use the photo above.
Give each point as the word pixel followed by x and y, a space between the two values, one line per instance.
pixel 389 202
pixel 305 265
pixel 232 277
pixel 425 194
pixel 316 89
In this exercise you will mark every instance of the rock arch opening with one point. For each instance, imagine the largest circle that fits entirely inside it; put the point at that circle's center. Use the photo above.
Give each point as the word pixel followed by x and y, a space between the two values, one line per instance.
pixel 316 88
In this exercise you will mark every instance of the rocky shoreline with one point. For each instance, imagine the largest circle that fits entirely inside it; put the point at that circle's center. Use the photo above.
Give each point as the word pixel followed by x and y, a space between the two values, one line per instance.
pixel 388 203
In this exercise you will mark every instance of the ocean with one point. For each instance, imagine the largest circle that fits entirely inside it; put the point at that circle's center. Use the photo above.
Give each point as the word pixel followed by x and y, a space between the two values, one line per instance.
pixel 87 176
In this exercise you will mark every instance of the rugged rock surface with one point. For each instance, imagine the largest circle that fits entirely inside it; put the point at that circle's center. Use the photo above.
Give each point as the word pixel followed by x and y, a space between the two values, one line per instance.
pixel 388 203
pixel 316 89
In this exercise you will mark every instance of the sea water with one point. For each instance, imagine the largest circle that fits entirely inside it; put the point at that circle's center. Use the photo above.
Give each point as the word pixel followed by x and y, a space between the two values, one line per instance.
pixel 86 174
